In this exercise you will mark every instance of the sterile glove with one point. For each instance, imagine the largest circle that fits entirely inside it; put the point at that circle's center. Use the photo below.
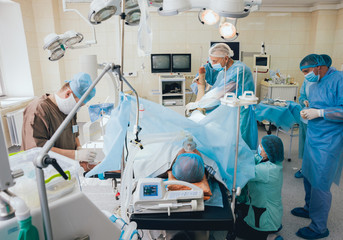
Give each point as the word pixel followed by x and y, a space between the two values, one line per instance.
pixel 306 103
pixel 85 155
pixel 312 113
pixel 190 107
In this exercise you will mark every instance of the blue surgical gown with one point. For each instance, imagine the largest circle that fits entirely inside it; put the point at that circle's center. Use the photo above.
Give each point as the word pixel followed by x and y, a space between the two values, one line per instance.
pixel 323 156
pixel 248 121
pixel 304 93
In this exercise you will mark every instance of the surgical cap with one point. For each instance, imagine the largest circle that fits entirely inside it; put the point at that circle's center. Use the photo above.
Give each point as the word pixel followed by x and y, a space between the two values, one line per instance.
pixel 220 50
pixel 273 146
pixel 327 59
pixel 189 167
pixel 80 84
pixel 312 60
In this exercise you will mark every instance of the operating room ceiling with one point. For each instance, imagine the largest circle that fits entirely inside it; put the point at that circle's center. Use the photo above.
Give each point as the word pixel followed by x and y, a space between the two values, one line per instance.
pixel 299 3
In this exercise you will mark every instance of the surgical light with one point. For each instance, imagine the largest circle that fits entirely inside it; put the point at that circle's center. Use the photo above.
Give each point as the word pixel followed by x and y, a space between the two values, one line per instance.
pixel 227 29
pixel 209 17
pixel 133 17
pixel 71 38
pixel 101 10
pixel 57 44
pixel 131 4
pixel 56 54
pixel 52 41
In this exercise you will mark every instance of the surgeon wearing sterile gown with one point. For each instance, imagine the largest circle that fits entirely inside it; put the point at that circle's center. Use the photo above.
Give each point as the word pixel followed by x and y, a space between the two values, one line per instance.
pixel 220 58
pixel 323 154
pixel 303 100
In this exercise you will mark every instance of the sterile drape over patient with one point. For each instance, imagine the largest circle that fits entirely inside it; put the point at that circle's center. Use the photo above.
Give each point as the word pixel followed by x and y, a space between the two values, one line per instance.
pixel 162 135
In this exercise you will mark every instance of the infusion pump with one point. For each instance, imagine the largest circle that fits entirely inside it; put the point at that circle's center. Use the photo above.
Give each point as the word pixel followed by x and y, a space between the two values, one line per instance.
pixel 153 196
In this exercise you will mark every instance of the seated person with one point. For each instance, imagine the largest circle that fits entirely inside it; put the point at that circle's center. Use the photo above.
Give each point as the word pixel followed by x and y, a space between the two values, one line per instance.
pixel 265 207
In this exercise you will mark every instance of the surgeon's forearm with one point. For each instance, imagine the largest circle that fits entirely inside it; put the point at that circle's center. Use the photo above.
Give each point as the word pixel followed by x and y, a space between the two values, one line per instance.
pixel 77 141
pixel 334 114
pixel 65 152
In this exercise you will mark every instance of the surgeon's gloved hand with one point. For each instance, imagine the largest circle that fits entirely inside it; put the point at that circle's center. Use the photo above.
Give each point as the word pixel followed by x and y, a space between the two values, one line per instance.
pixel 306 103
pixel 85 155
pixel 312 113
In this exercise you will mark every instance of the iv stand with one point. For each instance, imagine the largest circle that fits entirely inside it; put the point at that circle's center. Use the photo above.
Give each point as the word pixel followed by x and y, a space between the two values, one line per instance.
pixel 43 160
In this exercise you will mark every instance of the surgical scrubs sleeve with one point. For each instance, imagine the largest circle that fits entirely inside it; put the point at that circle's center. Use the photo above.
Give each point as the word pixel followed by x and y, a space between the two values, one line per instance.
pixel 265 210
pixel 41 120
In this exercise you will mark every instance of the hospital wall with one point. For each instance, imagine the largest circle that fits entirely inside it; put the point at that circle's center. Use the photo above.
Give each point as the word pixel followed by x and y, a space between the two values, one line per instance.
pixel 288 37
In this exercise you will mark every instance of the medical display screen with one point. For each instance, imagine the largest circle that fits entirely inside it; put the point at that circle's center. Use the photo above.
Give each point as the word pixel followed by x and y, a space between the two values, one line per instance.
pixel 261 61
pixel 181 62
pixel 150 190
pixel 160 63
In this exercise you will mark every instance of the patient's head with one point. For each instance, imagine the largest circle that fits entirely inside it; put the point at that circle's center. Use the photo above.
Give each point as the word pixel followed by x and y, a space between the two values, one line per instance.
pixel 189 167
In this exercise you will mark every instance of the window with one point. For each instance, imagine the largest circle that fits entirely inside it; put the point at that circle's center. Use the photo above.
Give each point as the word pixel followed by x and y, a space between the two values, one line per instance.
pixel 1 85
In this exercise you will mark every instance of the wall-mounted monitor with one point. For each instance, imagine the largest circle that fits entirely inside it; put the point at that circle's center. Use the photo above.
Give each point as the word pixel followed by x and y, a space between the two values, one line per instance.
pixel 234 47
pixel 161 63
pixel 261 62
pixel 181 62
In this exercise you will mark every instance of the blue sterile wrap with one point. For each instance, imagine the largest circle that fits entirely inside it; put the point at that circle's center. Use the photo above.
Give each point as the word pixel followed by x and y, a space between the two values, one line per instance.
pixel 98 110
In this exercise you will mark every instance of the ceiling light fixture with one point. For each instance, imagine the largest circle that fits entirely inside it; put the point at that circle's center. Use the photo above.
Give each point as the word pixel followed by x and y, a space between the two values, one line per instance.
pixel 208 16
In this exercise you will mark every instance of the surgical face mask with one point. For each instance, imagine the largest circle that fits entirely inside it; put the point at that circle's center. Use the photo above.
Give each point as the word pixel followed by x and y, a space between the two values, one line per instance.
pixel 259 150
pixel 218 67
pixel 311 77
pixel 65 105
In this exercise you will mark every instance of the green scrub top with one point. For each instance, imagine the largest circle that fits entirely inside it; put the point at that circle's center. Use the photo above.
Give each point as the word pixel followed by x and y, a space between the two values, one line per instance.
pixel 265 210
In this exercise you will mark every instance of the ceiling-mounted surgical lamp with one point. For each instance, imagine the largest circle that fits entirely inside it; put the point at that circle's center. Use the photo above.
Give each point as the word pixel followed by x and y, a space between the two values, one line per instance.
pixel 57 44
pixel 227 29
pixel 52 41
pixel 224 8
pixel 208 16
pixel 101 10
pixel 71 38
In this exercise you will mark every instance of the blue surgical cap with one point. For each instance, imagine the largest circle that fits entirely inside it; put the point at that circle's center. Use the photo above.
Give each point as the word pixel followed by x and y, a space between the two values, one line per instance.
pixel 189 167
pixel 312 60
pixel 327 59
pixel 273 146
pixel 80 84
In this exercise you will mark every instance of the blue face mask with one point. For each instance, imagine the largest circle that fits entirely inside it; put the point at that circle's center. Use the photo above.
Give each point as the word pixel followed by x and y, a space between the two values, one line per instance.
pixel 311 77
pixel 259 150
pixel 218 67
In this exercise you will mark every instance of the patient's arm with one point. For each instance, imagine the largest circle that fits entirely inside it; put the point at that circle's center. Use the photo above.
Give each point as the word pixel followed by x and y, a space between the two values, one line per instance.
pixel 201 83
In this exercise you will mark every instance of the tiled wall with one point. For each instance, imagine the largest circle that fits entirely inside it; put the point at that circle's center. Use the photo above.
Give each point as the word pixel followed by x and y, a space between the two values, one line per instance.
pixel 288 38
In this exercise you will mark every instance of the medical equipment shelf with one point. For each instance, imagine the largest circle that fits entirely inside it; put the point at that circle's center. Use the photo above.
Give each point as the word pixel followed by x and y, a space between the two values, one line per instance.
pixel 172 89
pixel 279 91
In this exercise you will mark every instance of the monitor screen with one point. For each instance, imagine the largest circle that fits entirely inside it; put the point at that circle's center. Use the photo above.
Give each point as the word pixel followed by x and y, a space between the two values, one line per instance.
pixel 261 61
pixel 181 62
pixel 160 63
pixel 234 47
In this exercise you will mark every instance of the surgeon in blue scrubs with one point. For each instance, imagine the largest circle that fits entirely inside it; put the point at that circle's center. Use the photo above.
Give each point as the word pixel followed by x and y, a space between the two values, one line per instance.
pixel 323 154
pixel 230 72
pixel 303 100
